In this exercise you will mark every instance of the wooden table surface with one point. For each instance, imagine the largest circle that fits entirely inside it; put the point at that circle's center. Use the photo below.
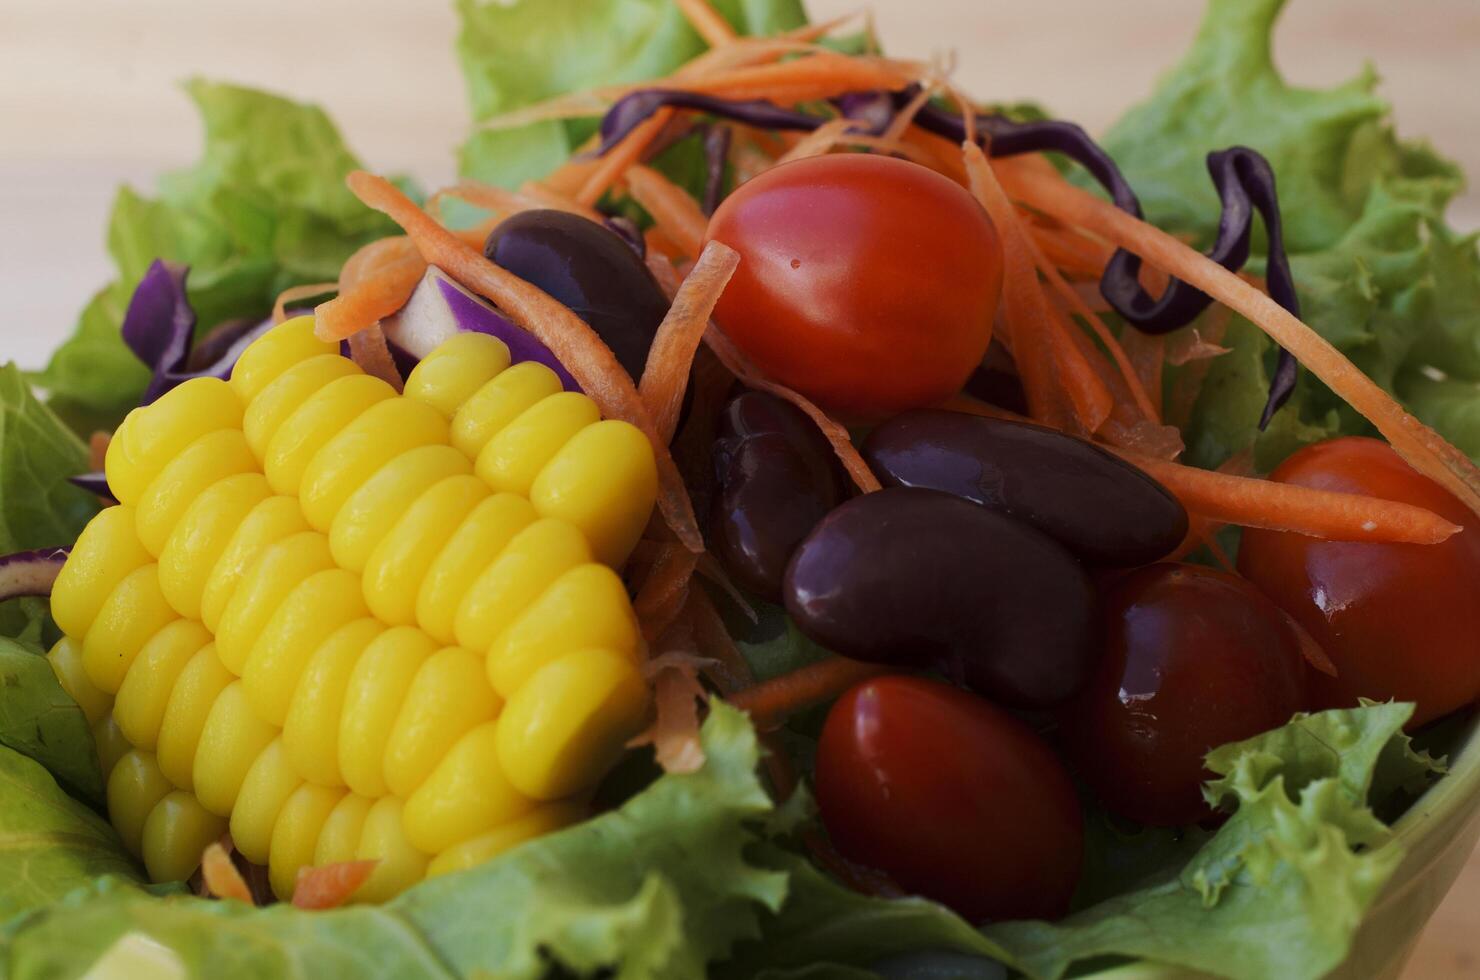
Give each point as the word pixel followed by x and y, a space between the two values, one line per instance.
pixel 87 100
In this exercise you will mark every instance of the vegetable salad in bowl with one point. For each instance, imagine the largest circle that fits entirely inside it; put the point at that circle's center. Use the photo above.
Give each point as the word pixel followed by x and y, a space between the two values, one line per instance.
pixel 774 516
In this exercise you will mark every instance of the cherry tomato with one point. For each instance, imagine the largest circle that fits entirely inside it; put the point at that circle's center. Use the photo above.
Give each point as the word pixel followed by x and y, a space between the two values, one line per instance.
pixel 1193 658
pixel 865 282
pixel 1399 621
pixel 951 797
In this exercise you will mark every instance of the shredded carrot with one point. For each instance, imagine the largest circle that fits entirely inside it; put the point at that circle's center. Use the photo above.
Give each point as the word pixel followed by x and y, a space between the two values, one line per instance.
pixel 842 443
pixel 879 144
pixel 1186 346
pixel 1075 255
pixel 370 289
pixel 222 879
pixel 489 197
pixel 622 156
pixel 1420 445
pixel 665 378
pixel 730 671
pixel 748 159
pixel 1187 385
pixel 771 701
pixel 779 768
pixel 1145 356
pixel 672 208
pixel 944 156
pixel 328 886
pixel 1286 507
pixel 713 28
pixel 1062 387
pixel 677 694
pixel 97 449
pixel 665 591
pixel 905 117
pixel 815 78
pixel 369 350
pixel 818 142
pixel 967 405
pixel 541 195
pixel 295 293
pixel 569 338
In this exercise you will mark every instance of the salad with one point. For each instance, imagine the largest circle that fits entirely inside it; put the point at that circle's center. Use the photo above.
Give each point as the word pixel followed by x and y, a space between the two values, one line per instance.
pixel 774 516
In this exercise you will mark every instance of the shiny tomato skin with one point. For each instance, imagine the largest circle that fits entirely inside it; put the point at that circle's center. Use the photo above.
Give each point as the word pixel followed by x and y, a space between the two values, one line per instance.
pixel 865 282
pixel 1193 658
pixel 1399 621
pixel 953 798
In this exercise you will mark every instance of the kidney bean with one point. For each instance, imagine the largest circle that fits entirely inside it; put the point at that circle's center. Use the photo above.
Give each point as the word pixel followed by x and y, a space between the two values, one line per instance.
pixel 1093 503
pixel 921 578
pixel 996 381
pixel 777 478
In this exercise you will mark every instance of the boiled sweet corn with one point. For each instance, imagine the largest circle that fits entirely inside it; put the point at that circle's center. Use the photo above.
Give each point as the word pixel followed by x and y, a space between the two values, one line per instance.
pixel 347 624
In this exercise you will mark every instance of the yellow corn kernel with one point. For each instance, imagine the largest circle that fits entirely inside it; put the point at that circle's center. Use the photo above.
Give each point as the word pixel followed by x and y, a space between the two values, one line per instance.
pixel 525 568
pixel 153 435
pixel 318 420
pixel 264 793
pixel 480 539
pixel 347 461
pixel 134 787
pixel 106 552
pixel 604 481
pixel 311 731
pixel 196 691
pixel 448 696
pixel 282 397
pixel 339 838
pixel 512 459
pixel 384 840
pixel 278 570
pixel 400 562
pixel 569 722
pixel 269 522
pixel 205 462
pixel 449 375
pixel 485 847
pixel 230 741
pixel 466 795
pixel 373 510
pixel 176 834
pixel 295 835
pixel 132 613
pixel 586 608
pixel 201 537
pixel 498 403
pixel 312 612
pixel 66 663
pixel 372 700
pixel 145 693
pixel 285 345
pixel 110 743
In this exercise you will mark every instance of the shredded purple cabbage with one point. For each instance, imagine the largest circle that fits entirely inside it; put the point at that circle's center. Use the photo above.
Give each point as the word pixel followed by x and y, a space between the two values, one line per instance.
pixel 716 155
pixel 94 483
pixel 159 328
pixel 30 573
pixel 626 229
pixel 631 110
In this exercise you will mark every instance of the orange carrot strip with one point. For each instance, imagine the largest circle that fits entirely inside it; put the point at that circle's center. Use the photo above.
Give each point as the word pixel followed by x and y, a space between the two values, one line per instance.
pixel 739 365
pixel 945 156
pixel 771 701
pixel 730 671
pixel 1420 445
pixel 1074 254
pixel 97 449
pixel 222 879
pixel 672 208
pixel 543 196
pixel 572 342
pixel 666 375
pixel 713 28
pixel 329 886
pixel 821 76
pixel 622 156
pixel 968 405
pixel 1253 502
pixel 664 591
pixel 905 117
pixel 1055 373
pixel 674 732
pixel 369 350
pixel 295 293
pixel 816 143
pixel 1146 356
pixel 375 282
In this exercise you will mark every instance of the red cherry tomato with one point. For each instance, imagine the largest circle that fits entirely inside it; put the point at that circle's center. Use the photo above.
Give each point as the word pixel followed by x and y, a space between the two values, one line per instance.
pixel 1398 620
pixel 866 283
pixel 952 797
pixel 1193 658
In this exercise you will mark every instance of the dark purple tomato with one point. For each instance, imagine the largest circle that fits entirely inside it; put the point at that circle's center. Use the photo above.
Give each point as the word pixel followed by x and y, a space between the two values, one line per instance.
pixel 953 798
pixel 1193 659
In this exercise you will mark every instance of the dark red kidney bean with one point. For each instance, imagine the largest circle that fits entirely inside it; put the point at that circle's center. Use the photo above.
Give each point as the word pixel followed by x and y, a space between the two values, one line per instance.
pixel 777 477
pixel 924 579
pixel 590 269
pixel 952 797
pixel 1193 659
pixel 996 381
pixel 1093 503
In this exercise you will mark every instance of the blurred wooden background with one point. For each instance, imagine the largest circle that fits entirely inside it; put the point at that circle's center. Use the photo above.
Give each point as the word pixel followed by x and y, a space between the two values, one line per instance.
pixel 87 100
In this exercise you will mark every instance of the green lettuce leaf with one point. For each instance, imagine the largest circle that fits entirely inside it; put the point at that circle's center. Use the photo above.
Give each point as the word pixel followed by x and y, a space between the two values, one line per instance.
pixel 263 209
pixel 517 54
pixel 40 721
pixel 1280 889
pixel 1378 272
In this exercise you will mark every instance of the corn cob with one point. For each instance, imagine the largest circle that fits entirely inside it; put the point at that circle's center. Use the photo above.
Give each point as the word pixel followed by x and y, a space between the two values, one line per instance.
pixel 347 624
